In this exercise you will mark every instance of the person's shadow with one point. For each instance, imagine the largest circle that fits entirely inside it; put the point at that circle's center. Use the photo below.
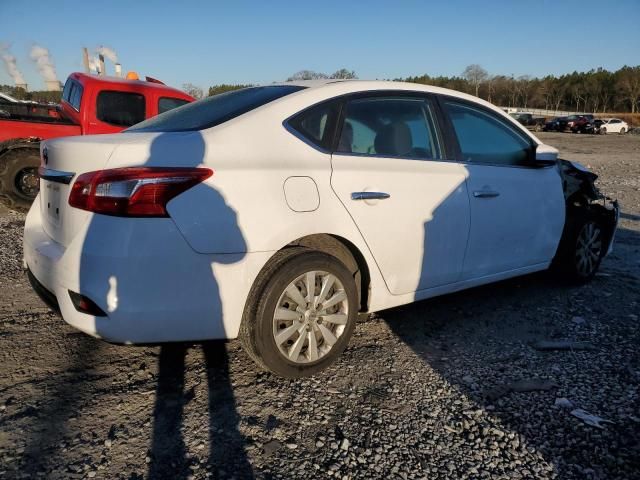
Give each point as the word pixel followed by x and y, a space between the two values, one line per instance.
pixel 138 297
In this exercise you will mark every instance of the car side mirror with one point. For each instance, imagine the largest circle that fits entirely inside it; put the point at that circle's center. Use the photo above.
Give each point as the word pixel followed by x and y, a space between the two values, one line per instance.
pixel 545 155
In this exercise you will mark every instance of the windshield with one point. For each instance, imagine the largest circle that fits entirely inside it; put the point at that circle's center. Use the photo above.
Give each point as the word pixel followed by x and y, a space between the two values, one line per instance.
pixel 214 110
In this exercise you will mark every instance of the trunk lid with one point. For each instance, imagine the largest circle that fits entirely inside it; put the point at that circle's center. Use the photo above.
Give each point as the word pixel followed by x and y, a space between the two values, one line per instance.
pixel 62 160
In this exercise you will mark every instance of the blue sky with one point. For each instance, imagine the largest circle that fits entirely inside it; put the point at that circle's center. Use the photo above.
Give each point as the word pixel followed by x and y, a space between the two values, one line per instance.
pixel 208 42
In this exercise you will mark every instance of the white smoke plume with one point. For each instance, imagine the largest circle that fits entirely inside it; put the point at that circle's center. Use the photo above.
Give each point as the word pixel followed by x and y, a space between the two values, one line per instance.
pixel 108 53
pixel 44 62
pixel 94 64
pixel 10 63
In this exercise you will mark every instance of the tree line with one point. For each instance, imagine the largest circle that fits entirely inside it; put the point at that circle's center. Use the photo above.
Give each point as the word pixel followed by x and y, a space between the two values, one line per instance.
pixel 596 91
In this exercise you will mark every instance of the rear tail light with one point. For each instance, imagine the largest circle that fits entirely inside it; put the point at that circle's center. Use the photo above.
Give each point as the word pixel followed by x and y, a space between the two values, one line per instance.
pixel 133 191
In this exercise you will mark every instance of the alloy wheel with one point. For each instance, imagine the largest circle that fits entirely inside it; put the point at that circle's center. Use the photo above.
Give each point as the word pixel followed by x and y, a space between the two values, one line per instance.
pixel 588 249
pixel 310 316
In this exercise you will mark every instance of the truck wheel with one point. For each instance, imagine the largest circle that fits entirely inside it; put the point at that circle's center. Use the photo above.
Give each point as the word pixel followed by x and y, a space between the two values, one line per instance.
pixel 300 313
pixel 582 247
pixel 538 128
pixel 19 182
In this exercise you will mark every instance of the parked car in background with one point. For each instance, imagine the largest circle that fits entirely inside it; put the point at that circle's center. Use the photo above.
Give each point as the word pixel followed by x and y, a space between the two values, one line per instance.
pixel 613 125
pixel 556 124
pixel 349 197
pixel 597 123
pixel 568 122
pixel 528 120
pixel 584 124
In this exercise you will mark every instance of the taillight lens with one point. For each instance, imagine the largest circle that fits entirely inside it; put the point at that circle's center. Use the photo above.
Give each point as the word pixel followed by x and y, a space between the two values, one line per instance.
pixel 133 191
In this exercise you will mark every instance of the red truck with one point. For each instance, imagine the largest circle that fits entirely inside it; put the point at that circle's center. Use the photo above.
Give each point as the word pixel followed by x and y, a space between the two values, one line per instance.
pixel 90 104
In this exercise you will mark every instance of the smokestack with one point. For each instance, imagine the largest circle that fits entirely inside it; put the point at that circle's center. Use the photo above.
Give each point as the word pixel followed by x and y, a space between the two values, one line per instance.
pixel 85 60
pixel 118 70
pixel 108 53
pixel 23 86
pixel 101 63
pixel 12 68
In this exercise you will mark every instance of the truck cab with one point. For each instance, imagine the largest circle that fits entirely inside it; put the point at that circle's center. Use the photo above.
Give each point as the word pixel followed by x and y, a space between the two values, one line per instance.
pixel 90 105
pixel 100 104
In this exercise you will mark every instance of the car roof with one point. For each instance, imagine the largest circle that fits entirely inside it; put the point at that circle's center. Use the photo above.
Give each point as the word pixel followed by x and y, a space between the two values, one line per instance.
pixel 316 91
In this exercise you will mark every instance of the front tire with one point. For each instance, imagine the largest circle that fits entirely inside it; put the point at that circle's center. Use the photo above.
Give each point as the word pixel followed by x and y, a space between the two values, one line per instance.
pixel 603 130
pixel 582 248
pixel 622 131
pixel 300 314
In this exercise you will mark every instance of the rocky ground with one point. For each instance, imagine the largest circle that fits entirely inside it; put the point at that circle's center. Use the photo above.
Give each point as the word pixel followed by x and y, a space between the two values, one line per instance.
pixel 453 387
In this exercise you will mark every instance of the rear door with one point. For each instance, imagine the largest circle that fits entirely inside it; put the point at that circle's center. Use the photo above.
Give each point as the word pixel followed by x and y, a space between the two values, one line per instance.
pixel 517 208
pixel 409 203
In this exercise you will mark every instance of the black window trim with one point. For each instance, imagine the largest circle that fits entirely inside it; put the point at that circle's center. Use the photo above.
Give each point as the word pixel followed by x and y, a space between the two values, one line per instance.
pixel 144 97
pixel 453 139
pixel 444 145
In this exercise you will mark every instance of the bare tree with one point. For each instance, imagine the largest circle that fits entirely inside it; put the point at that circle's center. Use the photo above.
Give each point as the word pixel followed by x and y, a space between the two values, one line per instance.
pixel 476 75
pixel 307 75
pixel 193 90
pixel 344 74
pixel 628 85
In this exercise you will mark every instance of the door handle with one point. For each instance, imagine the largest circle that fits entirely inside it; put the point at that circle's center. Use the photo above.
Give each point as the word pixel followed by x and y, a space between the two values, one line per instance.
pixel 369 195
pixel 486 194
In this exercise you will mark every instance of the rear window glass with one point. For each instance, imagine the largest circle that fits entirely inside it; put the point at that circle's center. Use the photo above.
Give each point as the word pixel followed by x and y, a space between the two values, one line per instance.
pixel 120 108
pixel 214 110
pixel 167 103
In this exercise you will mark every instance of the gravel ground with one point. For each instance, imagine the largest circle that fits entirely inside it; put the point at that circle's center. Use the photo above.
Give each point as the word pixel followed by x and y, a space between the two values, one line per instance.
pixel 453 387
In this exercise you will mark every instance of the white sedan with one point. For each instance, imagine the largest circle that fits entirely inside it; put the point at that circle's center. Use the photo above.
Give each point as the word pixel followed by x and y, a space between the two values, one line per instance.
pixel 278 213
pixel 613 125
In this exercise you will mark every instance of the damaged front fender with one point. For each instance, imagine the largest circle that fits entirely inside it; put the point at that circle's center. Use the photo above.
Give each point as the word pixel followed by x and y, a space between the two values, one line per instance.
pixel 582 197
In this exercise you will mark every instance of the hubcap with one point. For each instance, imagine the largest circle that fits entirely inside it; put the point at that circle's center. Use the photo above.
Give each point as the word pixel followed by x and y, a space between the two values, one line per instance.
pixel 310 316
pixel 588 249
pixel 27 182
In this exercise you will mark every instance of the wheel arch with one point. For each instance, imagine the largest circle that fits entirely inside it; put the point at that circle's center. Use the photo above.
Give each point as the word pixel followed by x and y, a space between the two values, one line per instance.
pixel 345 251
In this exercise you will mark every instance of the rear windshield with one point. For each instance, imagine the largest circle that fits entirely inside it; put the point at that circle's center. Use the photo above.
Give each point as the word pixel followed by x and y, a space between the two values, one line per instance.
pixel 214 110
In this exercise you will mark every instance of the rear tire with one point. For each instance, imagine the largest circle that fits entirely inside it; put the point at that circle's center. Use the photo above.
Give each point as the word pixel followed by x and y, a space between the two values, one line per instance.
pixel 582 247
pixel 297 338
pixel 19 182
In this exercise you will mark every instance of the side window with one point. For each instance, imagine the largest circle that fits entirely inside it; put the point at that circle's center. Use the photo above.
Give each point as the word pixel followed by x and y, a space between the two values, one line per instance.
pixel 314 124
pixel 120 108
pixel 389 126
pixel 66 92
pixel 485 138
pixel 168 103
pixel 76 96
pixel 72 94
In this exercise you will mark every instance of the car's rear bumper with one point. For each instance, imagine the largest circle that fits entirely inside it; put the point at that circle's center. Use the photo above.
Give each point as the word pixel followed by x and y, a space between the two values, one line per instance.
pixel 151 284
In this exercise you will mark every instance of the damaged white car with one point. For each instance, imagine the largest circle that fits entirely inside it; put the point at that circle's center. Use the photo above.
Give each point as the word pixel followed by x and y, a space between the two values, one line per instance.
pixel 278 213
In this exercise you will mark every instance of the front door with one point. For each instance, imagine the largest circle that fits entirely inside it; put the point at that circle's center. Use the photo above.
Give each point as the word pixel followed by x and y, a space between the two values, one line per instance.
pixel 517 208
